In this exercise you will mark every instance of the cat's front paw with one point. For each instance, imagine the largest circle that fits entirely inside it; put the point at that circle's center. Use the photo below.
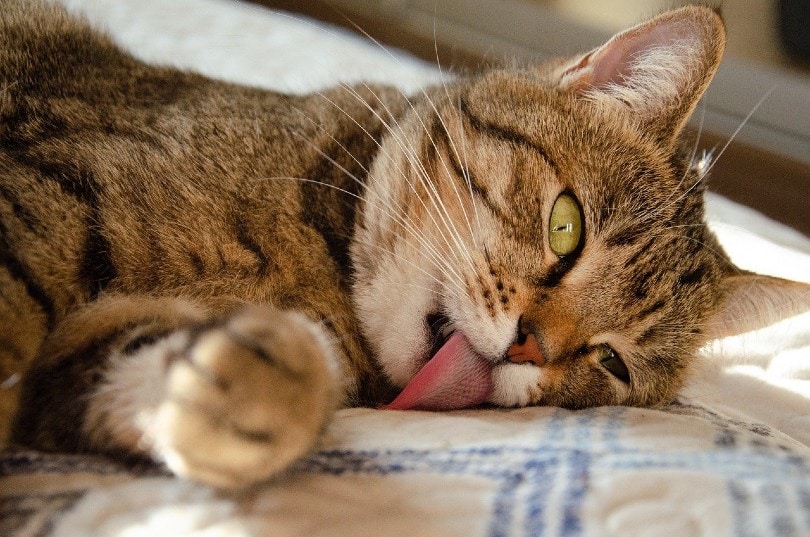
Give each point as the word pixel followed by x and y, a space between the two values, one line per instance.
pixel 245 397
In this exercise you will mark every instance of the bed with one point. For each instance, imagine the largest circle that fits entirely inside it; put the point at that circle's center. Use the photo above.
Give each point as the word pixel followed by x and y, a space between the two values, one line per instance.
pixel 731 456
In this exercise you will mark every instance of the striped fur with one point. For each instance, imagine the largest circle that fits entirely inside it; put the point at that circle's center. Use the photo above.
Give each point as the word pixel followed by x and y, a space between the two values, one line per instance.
pixel 200 273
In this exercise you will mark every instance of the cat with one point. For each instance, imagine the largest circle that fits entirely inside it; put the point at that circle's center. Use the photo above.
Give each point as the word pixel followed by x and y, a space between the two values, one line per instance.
pixel 201 273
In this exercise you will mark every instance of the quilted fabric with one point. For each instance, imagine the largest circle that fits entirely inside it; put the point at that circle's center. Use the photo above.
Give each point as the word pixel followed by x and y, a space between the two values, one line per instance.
pixel 730 458
pixel 684 470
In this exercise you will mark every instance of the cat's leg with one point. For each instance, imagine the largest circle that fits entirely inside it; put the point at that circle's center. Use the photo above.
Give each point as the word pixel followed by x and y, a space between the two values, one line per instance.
pixel 23 325
pixel 228 400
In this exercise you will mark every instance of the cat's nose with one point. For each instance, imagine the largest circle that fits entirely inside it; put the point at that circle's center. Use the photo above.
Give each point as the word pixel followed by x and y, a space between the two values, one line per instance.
pixel 525 349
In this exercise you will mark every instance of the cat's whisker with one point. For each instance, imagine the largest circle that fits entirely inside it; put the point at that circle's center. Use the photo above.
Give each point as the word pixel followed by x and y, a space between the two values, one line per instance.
pixel 438 202
pixel 417 166
pixel 451 142
pixel 379 145
pixel 700 169
pixel 720 255
pixel 452 182
pixel 682 226
pixel 459 248
pixel 424 93
pixel 331 137
pixel 465 172
pixel 443 285
pixel 691 158
pixel 388 128
pixel 455 293
pixel 460 243
pixel 402 219
pixel 361 127
pixel 395 211
pixel 443 267
pixel 447 269
pixel 742 124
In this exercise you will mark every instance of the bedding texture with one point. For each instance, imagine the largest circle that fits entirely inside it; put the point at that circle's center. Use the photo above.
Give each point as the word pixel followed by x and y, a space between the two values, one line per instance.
pixel 731 457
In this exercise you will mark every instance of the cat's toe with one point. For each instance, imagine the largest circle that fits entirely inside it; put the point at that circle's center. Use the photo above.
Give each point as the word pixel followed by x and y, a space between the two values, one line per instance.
pixel 246 397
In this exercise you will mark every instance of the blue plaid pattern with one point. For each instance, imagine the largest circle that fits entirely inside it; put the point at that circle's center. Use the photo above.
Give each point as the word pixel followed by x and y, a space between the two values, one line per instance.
pixel 763 475
pixel 540 486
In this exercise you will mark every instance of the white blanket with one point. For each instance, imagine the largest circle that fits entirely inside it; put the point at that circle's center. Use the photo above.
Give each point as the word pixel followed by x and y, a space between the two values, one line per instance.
pixel 730 457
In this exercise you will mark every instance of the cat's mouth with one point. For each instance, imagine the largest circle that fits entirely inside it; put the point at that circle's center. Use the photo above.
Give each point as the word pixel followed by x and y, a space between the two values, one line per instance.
pixel 441 328
pixel 454 377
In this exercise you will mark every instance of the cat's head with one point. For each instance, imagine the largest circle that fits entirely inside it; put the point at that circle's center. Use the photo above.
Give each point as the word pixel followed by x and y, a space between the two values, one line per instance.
pixel 554 218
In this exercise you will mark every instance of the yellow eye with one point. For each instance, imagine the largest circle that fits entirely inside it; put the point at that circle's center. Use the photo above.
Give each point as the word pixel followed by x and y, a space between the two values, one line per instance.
pixel 611 361
pixel 565 225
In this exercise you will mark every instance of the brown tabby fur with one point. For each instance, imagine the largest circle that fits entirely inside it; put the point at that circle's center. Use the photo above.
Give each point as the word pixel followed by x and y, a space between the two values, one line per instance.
pixel 147 210
pixel 126 179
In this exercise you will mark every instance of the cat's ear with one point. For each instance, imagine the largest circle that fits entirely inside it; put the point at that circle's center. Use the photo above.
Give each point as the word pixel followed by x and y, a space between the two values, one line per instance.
pixel 753 301
pixel 658 69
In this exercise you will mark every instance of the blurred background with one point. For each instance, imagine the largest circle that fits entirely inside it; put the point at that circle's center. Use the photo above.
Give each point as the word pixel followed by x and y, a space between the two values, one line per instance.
pixel 754 25
pixel 760 98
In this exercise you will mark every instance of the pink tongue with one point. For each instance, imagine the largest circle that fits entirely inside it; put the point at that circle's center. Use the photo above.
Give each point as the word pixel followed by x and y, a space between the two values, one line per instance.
pixel 456 377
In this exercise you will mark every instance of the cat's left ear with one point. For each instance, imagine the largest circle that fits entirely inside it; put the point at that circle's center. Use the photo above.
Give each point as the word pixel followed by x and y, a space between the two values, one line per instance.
pixel 752 301
pixel 658 70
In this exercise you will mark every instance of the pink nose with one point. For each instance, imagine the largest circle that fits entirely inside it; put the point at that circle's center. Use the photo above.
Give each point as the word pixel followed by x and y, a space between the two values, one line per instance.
pixel 527 351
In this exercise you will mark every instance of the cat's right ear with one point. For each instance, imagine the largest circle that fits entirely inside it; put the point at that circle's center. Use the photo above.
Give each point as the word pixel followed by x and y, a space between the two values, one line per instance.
pixel 753 301
pixel 657 70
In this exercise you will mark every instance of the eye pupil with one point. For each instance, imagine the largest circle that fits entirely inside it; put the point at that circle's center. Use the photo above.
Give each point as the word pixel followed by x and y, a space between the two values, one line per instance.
pixel 565 225
pixel 611 361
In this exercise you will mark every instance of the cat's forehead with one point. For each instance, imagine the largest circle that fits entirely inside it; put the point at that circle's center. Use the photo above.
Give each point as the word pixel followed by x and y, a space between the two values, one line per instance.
pixel 635 193
pixel 602 156
pixel 578 135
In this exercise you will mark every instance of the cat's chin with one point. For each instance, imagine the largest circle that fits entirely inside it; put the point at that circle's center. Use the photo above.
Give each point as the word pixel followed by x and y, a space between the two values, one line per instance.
pixel 515 385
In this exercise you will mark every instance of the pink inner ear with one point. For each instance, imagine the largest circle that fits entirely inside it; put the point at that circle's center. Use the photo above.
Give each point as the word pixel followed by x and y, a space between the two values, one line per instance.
pixel 612 63
pixel 657 70
pixel 615 65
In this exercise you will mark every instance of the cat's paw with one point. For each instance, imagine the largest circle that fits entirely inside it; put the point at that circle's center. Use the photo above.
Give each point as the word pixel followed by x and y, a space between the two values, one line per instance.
pixel 245 397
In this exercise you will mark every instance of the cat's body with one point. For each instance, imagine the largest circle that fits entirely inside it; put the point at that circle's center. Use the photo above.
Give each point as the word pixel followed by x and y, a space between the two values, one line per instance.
pixel 201 272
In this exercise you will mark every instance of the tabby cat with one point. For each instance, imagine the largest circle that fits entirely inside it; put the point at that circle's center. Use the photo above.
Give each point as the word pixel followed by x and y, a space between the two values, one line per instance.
pixel 201 273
